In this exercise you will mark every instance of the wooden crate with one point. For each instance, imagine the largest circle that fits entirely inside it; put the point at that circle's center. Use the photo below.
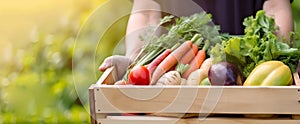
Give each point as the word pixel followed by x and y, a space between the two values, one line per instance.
pixel 207 104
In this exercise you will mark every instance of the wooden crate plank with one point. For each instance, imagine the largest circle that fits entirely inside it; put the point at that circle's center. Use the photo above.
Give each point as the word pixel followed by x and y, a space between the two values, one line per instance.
pixel 93 115
pixel 198 99
pixel 92 105
pixel 109 77
pixel 166 120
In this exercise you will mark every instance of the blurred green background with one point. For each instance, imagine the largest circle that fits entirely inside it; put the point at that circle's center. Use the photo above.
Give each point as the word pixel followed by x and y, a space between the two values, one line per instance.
pixel 50 51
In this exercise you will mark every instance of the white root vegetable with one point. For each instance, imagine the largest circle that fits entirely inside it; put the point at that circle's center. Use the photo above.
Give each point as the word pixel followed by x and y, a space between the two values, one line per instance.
pixel 183 81
pixel 198 75
pixel 120 82
pixel 170 78
pixel 206 64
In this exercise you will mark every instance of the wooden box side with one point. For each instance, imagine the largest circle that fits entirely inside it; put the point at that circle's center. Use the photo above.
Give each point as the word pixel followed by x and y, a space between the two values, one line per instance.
pixel 174 99
pixel 198 99
pixel 92 104
pixel 167 120
pixel 94 116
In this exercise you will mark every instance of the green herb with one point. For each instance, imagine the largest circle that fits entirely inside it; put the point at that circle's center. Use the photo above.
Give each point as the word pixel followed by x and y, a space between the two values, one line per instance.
pixel 181 68
pixel 259 44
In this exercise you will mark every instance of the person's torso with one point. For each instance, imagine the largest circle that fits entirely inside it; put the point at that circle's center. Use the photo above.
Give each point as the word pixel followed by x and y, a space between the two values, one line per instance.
pixel 228 14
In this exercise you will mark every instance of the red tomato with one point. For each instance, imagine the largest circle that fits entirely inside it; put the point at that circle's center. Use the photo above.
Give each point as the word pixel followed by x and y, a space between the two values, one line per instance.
pixel 139 75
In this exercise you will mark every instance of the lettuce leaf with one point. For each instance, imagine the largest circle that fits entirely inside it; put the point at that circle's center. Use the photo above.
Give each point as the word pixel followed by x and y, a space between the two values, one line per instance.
pixel 259 44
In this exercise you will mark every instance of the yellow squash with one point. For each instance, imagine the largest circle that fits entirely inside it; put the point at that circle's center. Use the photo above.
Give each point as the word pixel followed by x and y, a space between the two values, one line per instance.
pixel 270 73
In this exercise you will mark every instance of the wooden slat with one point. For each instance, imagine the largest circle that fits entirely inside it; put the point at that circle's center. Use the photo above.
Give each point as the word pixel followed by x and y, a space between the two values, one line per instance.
pixel 93 114
pixel 165 120
pixel 109 77
pixel 92 105
pixel 185 99
pixel 198 99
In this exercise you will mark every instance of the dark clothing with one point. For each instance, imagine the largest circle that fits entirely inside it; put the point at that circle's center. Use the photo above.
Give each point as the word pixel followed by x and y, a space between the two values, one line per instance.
pixel 229 14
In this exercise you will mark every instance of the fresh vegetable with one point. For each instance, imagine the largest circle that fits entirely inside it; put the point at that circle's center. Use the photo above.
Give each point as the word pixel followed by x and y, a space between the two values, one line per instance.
pixel 197 76
pixel 206 65
pixel 183 81
pixel 195 63
pixel 195 49
pixel 199 24
pixel 187 57
pixel 224 73
pixel 258 45
pixel 181 68
pixel 270 73
pixel 170 61
pixel 139 75
pixel 151 67
pixel 184 29
pixel 170 78
pixel 121 82
pixel 205 82
pixel 173 77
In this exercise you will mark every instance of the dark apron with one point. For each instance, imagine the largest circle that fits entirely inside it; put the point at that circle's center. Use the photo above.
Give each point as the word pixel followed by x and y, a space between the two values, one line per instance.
pixel 228 14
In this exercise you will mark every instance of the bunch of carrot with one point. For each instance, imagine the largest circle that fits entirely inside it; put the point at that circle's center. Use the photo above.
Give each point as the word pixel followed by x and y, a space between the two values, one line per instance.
pixel 186 53
pixel 159 53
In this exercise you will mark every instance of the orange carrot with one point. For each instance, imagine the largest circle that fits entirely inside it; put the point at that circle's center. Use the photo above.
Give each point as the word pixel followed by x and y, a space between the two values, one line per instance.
pixel 187 57
pixel 170 61
pixel 195 63
pixel 151 67
pixel 195 49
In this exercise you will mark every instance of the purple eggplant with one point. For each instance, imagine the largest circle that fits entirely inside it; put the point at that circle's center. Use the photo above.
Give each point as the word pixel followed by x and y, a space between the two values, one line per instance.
pixel 224 73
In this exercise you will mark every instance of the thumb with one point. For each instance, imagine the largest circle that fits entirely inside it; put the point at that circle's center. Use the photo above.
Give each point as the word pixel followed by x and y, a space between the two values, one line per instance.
pixel 106 64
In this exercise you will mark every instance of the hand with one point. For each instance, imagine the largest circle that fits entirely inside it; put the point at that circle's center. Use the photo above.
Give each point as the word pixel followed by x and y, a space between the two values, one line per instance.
pixel 120 62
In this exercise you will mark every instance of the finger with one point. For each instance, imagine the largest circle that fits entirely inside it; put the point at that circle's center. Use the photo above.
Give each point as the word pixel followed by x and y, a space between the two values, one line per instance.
pixel 103 67
pixel 106 64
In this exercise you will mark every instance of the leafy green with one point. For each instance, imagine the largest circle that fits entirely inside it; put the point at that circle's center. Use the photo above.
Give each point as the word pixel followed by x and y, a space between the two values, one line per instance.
pixel 259 44
pixel 184 28
pixel 181 68
pixel 259 25
pixel 295 39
